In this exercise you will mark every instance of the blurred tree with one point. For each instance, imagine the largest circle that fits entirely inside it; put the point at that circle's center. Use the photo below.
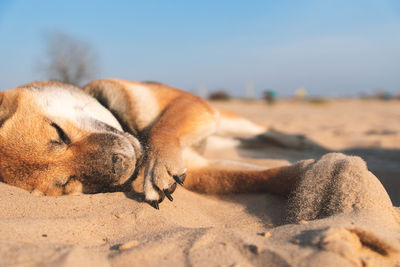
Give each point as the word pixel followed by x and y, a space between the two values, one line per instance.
pixel 68 59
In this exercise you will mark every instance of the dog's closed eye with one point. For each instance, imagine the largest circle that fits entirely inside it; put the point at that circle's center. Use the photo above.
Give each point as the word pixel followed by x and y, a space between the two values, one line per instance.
pixel 61 134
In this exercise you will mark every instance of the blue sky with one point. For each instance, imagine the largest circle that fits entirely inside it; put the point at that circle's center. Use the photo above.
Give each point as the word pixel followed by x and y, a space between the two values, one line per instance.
pixel 330 47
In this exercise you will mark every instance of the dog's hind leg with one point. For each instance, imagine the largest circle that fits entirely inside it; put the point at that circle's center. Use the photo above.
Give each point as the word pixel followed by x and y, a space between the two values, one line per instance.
pixel 224 177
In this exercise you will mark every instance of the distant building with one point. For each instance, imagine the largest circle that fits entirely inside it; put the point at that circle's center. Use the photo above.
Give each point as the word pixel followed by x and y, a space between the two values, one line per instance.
pixel 301 93
pixel 250 93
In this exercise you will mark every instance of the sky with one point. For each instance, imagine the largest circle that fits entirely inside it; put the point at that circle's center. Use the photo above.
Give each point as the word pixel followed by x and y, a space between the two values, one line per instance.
pixel 332 48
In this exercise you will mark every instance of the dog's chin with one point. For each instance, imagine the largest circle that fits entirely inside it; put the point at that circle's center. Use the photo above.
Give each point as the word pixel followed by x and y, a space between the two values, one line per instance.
pixel 106 185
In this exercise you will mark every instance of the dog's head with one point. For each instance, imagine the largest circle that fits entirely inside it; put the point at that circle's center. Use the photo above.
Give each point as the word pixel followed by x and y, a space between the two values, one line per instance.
pixel 56 139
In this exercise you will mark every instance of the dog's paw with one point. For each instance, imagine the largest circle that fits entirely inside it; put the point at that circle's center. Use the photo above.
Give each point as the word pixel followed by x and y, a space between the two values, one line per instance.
pixel 293 141
pixel 298 141
pixel 163 170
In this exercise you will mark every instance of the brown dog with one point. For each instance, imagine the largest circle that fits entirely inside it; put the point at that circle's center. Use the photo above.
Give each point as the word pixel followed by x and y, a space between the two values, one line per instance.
pixel 58 139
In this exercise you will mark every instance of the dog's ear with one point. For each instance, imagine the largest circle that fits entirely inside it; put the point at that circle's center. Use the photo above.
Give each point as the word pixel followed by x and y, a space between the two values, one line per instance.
pixel 8 105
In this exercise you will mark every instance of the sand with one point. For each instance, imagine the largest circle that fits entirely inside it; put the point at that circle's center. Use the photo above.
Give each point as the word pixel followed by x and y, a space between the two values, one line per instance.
pixel 340 215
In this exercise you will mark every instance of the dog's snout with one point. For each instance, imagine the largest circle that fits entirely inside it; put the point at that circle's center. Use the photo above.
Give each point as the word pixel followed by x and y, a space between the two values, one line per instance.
pixel 120 164
pixel 110 159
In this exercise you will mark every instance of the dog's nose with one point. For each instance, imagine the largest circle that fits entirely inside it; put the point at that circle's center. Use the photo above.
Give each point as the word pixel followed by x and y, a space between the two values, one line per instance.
pixel 120 164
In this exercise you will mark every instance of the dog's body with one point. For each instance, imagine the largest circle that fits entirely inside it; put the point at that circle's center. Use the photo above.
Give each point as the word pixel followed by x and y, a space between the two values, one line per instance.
pixel 58 139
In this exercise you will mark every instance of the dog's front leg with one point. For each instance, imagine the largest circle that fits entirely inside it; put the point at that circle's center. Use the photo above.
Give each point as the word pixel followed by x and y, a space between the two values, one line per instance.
pixel 184 122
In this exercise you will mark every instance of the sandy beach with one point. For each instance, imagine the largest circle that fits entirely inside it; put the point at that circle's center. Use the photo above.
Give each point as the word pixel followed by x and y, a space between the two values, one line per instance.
pixel 354 225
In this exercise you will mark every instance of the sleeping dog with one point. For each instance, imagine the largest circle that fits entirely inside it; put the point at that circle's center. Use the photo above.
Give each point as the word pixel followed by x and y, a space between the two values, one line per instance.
pixel 59 139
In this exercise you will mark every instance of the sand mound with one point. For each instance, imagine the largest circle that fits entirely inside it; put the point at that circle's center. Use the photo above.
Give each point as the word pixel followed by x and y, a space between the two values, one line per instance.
pixel 357 246
pixel 334 184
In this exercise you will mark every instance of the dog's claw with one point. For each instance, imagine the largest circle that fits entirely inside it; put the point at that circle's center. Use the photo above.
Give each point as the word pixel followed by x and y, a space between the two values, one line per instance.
pixel 168 195
pixel 179 179
pixel 183 177
pixel 154 204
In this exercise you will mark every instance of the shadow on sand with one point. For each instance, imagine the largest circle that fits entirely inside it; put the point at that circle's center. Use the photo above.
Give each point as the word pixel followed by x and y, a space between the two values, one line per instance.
pixel 383 163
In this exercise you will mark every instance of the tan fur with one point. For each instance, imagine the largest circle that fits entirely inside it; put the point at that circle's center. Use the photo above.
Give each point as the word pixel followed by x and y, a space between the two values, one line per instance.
pixel 159 133
pixel 25 160
pixel 277 180
pixel 32 158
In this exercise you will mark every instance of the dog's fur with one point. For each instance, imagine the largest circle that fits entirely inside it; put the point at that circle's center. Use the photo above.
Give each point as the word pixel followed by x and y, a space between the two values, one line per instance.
pixel 58 139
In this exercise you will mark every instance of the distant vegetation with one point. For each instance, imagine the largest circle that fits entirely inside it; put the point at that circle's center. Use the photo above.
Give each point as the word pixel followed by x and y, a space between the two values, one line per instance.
pixel 301 95
pixel 317 100
pixel 220 95
pixel 381 94
pixel 270 96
